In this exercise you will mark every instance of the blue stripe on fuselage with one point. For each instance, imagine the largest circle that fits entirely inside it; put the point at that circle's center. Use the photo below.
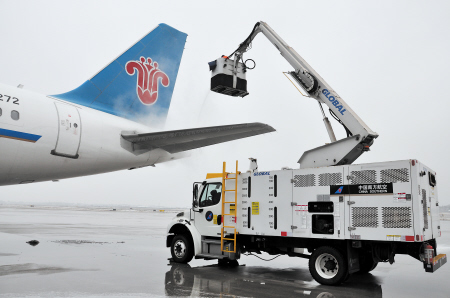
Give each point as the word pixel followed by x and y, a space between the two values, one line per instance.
pixel 21 136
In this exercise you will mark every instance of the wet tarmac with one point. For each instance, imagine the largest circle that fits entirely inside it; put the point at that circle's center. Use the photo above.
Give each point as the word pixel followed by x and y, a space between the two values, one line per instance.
pixel 116 254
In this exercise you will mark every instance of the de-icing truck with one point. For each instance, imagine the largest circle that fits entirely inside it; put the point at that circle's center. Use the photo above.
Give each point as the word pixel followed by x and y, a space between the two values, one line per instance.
pixel 343 217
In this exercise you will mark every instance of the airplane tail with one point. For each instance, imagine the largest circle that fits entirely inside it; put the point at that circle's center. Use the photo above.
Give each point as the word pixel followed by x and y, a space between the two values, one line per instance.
pixel 138 85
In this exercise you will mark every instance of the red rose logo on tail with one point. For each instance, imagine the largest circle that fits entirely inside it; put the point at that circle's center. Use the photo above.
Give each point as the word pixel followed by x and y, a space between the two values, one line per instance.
pixel 148 75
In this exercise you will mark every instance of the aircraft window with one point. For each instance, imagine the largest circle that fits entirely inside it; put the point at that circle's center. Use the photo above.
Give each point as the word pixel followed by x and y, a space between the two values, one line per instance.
pixel 211 194
pixel 14 115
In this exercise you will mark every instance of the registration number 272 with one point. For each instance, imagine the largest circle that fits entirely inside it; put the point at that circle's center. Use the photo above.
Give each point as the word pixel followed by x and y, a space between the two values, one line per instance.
pixel 7 98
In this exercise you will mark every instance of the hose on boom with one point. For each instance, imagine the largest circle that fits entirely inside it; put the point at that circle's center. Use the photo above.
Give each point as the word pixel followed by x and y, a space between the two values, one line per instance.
pixel 247 42
pixel 349 133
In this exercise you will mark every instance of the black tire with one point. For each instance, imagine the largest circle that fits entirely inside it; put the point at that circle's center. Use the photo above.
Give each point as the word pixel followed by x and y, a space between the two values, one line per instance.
pixel 328 266
pixel 233 263
pixel 182 249
pixel 227 263
pixel 367 263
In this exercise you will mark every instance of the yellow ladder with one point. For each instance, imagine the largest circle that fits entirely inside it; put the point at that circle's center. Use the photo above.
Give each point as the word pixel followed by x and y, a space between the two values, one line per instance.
pixel 224 201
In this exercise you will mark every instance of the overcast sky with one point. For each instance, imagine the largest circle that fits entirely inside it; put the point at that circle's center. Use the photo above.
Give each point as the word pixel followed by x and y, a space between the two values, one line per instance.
pixel 388 60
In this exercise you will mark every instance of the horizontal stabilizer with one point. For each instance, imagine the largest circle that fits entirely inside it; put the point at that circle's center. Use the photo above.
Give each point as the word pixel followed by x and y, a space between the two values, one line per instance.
pixel 187 139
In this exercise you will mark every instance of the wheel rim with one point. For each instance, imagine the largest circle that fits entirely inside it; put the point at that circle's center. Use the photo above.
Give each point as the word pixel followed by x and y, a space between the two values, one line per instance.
pixel 327 266
pixel 179 249
pixel 178 277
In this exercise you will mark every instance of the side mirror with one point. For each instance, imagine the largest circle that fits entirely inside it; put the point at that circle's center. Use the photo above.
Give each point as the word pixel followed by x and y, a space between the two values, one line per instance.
pixel 195 191
pixel 195 195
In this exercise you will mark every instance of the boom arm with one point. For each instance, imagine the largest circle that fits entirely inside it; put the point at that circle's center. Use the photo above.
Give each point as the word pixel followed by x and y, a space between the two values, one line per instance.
pixel 360 136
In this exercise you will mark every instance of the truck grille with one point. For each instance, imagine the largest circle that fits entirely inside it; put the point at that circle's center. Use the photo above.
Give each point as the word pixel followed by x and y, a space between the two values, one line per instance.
pixel 363 177
pixel 326 179
pixel 394 175
pixel 304 180
pixel 365 217
pixel 396 217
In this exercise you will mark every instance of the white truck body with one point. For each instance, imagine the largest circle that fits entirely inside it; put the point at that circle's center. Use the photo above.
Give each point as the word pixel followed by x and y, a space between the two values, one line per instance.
pixel 380 209
pixel 369 211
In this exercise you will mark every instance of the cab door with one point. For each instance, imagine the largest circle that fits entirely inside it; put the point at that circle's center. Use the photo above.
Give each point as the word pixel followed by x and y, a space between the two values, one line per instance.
pixel 208 209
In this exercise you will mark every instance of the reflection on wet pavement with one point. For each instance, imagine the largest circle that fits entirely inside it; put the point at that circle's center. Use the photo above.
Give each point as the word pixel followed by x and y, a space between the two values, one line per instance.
pixel 7 254
pixel 33 268
pixel 83 242
pixel 242 281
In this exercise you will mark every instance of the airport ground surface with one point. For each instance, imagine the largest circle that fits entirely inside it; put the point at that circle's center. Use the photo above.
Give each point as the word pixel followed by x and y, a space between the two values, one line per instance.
pixel 93 253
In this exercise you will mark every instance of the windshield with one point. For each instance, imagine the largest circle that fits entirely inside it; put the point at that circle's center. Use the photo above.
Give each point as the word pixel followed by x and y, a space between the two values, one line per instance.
pixel 211 194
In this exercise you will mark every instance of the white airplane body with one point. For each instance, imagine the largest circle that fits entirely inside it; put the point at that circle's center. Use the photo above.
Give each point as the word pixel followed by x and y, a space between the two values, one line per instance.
pixel 95 128
pixel 95 139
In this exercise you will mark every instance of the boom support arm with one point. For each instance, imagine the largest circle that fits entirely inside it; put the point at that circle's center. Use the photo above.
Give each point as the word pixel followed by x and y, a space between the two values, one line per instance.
pixel 344 151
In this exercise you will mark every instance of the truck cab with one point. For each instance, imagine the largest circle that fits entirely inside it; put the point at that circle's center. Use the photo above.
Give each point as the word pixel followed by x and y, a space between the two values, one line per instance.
pixel 197 231
pixel 207 207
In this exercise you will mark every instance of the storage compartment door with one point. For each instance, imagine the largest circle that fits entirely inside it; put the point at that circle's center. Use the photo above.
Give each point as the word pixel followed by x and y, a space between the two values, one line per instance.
pixel 266 204
pixel 318 212
pixel 429 202
pixel 380 204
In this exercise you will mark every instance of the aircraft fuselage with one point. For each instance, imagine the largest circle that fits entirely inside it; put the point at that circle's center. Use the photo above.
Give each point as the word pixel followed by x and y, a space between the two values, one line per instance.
pixel 53 139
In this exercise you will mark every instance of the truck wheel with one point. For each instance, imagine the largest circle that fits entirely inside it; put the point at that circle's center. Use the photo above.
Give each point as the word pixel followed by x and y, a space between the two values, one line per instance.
pixel 182 249
pixel 328 266
pixel 367 263
pixel 227 263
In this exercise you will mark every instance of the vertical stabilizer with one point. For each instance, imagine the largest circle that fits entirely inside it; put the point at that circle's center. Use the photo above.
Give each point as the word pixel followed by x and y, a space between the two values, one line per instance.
pixel 138 85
